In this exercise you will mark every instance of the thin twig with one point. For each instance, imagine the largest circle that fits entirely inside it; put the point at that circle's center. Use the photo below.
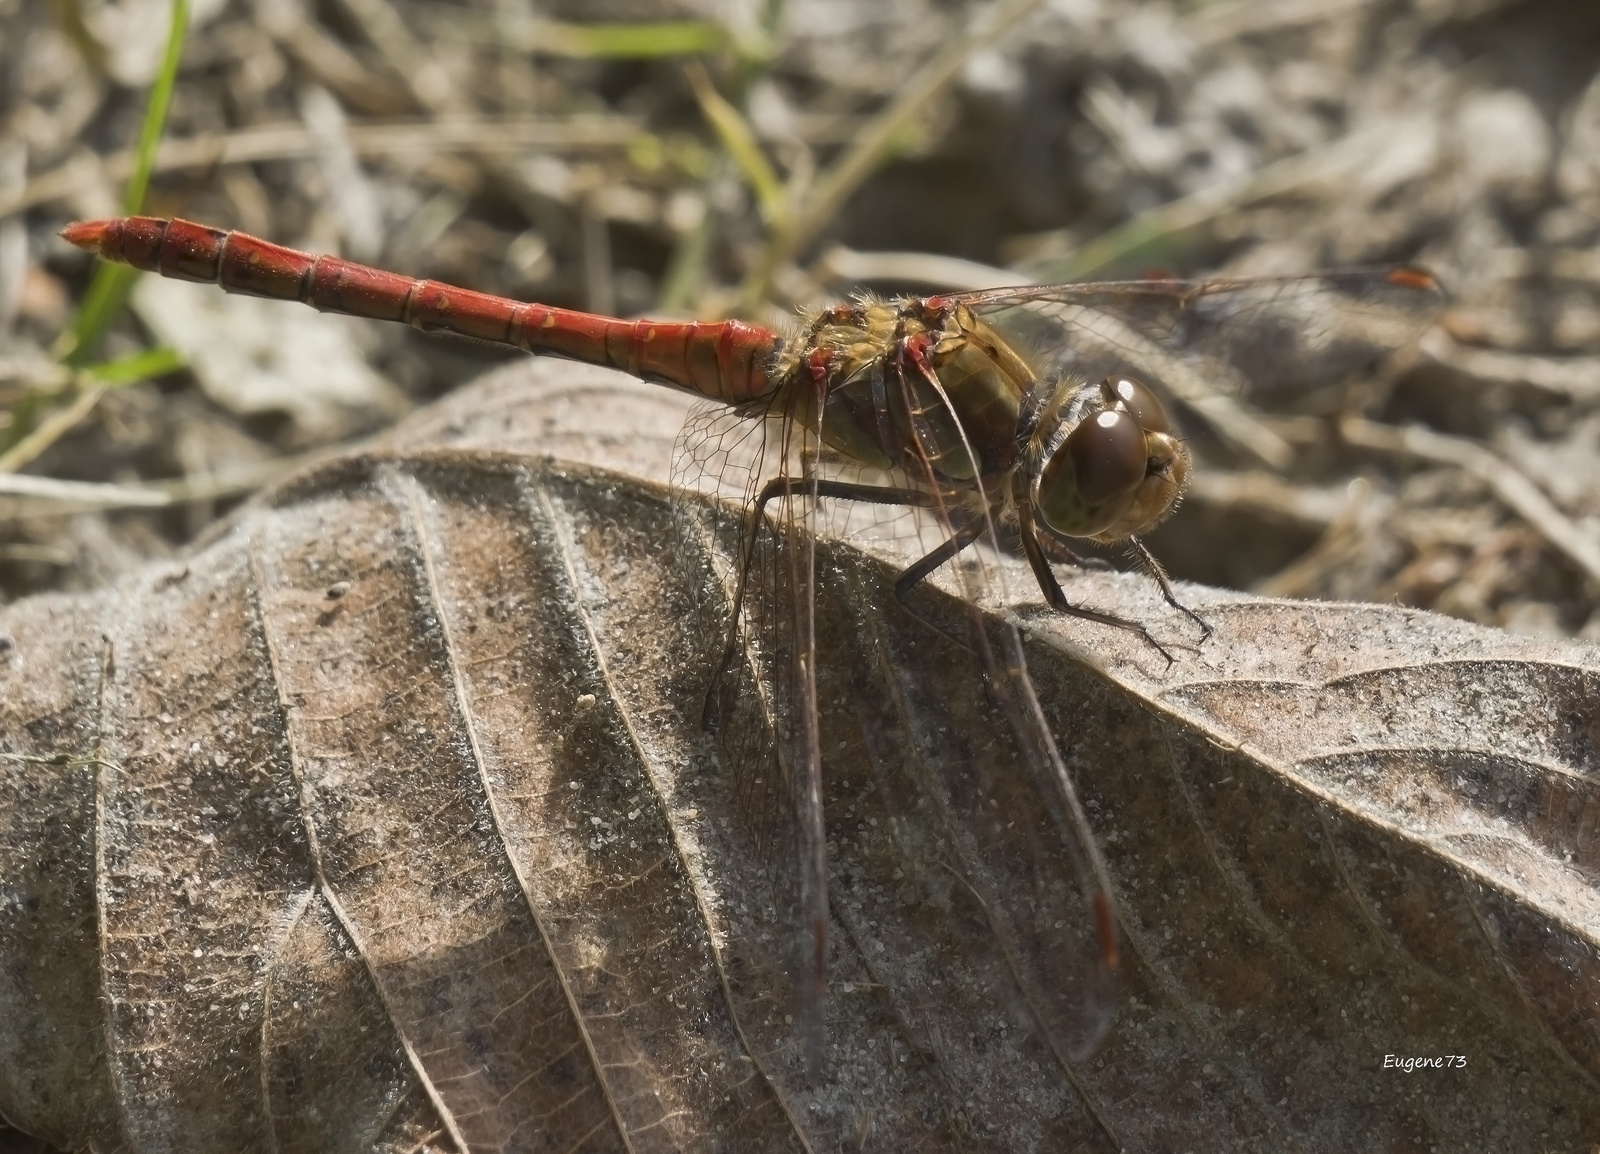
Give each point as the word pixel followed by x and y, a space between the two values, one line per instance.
pixel 292 140
pixel 51 429
pixel 1509 484
pixel 868 150
pixel 81 494
pixel 25 495
pixel 1328 164
pixel 75 760
pixel 1573 378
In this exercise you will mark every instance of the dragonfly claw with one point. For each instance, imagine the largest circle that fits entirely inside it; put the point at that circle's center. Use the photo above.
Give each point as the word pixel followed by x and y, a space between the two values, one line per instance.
pixel 1157 646
pixel 1205 626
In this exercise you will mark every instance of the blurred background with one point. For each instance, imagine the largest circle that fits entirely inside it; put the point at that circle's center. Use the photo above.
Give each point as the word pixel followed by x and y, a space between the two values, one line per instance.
pixel 754 157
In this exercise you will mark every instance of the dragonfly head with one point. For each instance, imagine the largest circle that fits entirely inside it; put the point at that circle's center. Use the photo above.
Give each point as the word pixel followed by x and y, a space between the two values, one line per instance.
pixel 1106 463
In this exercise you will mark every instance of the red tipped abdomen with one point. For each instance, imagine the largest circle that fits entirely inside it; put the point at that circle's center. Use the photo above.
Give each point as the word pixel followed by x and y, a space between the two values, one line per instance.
pixel 725 360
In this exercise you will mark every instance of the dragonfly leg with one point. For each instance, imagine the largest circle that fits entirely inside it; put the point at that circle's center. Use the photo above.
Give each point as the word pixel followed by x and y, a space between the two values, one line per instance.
pixel 964 535
pixel 1057 600
pixel 714 708
pixel 712 711
pixel 1147 561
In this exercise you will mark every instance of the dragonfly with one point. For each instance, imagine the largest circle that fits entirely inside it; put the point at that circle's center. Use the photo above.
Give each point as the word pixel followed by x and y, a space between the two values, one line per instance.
pixel 1030 416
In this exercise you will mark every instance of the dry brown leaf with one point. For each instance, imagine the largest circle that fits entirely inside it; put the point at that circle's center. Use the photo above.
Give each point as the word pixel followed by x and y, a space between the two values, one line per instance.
pixel 382 821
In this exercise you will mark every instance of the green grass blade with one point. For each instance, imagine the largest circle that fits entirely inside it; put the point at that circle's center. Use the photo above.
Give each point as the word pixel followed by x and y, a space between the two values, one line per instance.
pixel 633 41
pixel 737 137
pixel 109 290
pixel 35 427
pixel 140 366
pixel 155 112
pixel 108 293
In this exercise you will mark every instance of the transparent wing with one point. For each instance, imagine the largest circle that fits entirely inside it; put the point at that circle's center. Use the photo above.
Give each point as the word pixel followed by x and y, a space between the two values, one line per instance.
pixel 1019 849
pixel 1212 343
pixel 1262 332
pixel 984 755
pixel 761 700
pixel 961 730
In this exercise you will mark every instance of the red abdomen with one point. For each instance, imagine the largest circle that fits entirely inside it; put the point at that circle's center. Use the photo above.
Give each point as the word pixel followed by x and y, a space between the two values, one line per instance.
pixel 725 360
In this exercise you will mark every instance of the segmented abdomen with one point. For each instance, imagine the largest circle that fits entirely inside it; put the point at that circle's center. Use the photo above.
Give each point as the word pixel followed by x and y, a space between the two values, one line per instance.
pixel 725 360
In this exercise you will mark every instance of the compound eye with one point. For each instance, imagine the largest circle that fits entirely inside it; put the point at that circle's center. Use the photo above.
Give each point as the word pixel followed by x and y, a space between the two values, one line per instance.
pixel 1107 455
pixel 1142 404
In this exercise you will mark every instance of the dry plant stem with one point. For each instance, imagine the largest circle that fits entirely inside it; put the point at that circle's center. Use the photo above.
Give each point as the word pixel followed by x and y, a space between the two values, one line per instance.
pixel 1581 265
pixel 70 15
pixel 23 496
pixel 51 555
pixel 1348 537
pixel 1315 507
pixel 948 273
pixel 1218 23
pixel 77 495
pixel 429 83
pixel 234 482
pixel 739 140
pixel 1521 494
pixel 868 149
pixel 59 759
pixel 28 377
pixel 1574 378
pixel 51 429
pixel 327 60
pixel 421 71
pixel 292 141
pixel 1329 163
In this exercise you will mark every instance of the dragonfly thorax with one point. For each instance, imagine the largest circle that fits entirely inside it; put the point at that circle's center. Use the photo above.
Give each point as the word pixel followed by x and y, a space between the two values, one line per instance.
pixel 926 388
pixel 1104 462
pixel 917 386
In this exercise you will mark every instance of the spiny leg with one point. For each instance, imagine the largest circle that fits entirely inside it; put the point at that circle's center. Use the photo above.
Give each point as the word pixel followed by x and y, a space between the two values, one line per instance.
pixel 1057 600
pixel 964 536
pixel 711 714
pixel 1152 568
